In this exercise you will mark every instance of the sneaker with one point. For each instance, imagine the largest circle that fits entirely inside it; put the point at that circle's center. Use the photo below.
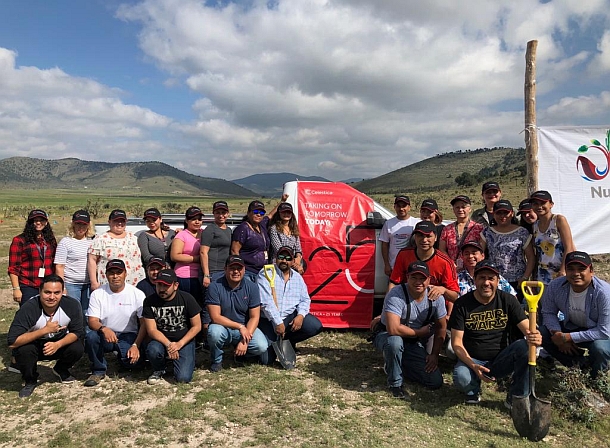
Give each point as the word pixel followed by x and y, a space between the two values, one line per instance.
pixel 216 367
pixel 508 403
pixel 156 376
pixel 64 375
pixel 13 368
pixel 27 390
pixel 94 380
pixel 473 399
pixel 397 391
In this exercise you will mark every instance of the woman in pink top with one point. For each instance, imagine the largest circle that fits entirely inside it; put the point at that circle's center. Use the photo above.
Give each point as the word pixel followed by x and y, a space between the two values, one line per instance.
pixel 185 253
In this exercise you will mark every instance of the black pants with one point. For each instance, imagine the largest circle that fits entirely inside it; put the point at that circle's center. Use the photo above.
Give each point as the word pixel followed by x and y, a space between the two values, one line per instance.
pixel 28 355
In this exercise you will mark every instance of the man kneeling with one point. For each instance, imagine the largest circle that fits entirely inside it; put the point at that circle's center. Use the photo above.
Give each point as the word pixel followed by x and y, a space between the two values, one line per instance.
pixel 410 318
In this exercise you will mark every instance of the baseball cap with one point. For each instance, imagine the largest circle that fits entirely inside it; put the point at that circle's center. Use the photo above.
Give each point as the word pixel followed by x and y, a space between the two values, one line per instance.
pixel 286 249
pixel 117 214
pixel 541 195
pixel 425 227
pixel 156 260
pixel 116 264
pixel 503 204
pixel 429 204
pixel 578 257
pixel 418 267
pixel 192 212
pixel 152 213
pixel 167 277
pixel 402 198
pixel 220 205
pixel 81 216
pixel 486 264
pixel 235 259
pixel 284 207
pixel 524 206
pixel 461 197
pixel 474 244
pixel 490 186
pixel 256 205
pixel 37 213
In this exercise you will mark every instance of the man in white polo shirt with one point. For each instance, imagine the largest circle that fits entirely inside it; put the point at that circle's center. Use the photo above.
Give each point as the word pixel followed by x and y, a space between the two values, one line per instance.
pixel 113 314
pixel 396 232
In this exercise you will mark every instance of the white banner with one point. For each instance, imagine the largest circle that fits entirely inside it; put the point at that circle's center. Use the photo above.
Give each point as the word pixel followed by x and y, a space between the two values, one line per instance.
pixel 574 165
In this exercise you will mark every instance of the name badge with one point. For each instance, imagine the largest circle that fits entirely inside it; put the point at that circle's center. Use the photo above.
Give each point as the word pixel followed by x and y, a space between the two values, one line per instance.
pixel 266 255
pixel 41 272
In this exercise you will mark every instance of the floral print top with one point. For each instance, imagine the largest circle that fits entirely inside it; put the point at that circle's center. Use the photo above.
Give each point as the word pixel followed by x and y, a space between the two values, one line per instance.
pixel 126 249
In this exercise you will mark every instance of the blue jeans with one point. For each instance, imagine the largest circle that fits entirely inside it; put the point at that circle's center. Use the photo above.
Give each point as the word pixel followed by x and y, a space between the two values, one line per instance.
pixel 184 366
pixel 599 352
pixel 81 293
pixel 193 286
pixel 513 359
pixel 96 346
pixel 27 292
pixel 219 336
pixel 408 359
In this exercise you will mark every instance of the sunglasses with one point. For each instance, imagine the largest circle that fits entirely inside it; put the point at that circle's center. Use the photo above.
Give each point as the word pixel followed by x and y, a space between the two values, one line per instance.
pixel 284 257
pixel 259 212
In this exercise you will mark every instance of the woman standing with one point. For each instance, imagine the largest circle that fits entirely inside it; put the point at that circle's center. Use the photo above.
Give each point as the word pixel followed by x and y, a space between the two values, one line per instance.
pixel 31 256
pixel 185 253
pixel 157 239
pixel 461 231
pixel 215 244
pixel 528 216
pixel 71 258
pixel 552 238
pixel 284 231
pixel 115 243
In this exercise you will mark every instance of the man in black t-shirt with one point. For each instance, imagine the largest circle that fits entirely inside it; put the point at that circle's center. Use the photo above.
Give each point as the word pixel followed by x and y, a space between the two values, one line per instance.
pixel 172 319
pixel 480 324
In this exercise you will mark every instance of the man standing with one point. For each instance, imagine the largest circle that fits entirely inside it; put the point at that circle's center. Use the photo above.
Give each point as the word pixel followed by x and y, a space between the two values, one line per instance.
pixel 491 194
pixel 49 326
pixel 286 314
pixel 154 266
pixel 584 300
pixel 172 319
pixel 396 232
pixel 234 306
pixel 114 310
pixel 480 325
pixel 410 318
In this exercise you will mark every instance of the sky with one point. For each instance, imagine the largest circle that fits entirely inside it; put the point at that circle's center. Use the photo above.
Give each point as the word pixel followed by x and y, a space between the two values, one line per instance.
pixel 333 88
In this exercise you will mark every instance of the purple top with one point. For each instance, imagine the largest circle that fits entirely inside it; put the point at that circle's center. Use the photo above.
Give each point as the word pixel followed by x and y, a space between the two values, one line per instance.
pixel 254 245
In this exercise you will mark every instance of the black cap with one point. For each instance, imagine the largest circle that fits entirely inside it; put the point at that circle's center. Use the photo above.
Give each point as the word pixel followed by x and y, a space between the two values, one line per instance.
pixel 578 257
pixel 486 264
pixel 503 204
pixel 425 227
pixel 192 212
pixel 152 213
pixel 474 244
pixel 156 260
pixel 256 205
pixel 402 198
pixel 418 267
pixel 81 216
pixel 284 207
pixel 115 264
pixel 167 277
pixel 461 197
pixel 286 249
pixel 490 186
pixel 117 214
pixel 235 259
pixel 220 205
pixel 429 204
pixel 524 206
pixel 541 195
pixel 37 213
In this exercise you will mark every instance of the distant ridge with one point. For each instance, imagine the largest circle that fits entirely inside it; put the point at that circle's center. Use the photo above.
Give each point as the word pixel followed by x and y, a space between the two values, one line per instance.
pixel 271 184
pixel 142 177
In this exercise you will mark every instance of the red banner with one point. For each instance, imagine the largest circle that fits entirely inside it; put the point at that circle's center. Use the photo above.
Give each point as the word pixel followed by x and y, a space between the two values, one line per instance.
pixel 339 250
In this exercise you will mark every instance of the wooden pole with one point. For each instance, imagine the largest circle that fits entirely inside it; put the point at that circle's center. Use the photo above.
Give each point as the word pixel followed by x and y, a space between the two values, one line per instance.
pixel 531 137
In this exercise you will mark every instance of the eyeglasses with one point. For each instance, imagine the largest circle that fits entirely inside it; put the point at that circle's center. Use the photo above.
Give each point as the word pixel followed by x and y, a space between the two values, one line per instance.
pixel 259 212
pixel 236 268
pixel 284 257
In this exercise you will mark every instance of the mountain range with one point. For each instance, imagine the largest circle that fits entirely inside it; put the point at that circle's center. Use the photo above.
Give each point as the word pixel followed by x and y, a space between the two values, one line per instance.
pixel 271 184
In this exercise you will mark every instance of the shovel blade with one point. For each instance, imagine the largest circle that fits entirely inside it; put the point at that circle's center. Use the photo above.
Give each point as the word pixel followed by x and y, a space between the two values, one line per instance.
pixel 531 417
pixel 285 353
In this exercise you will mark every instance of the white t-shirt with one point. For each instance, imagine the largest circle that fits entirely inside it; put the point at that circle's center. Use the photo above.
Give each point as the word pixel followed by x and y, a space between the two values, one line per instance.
pixel 397 233
pixel 577 308
pixel 118 311
pixel 72 253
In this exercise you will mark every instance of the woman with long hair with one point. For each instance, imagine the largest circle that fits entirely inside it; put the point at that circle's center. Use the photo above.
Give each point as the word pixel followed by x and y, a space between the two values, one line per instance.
pixel 527 215
pixel 71 258
pixel 31 256
pixel 284 232
pixel 461 231
pixel 185 253
pixel 157 239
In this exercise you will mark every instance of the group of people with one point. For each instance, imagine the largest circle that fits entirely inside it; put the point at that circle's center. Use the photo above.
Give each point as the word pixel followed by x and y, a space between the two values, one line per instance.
pixel 458 288
pixel 91 294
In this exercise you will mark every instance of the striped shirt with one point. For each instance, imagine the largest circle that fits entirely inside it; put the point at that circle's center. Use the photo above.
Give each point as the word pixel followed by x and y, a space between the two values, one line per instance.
pixel 72 253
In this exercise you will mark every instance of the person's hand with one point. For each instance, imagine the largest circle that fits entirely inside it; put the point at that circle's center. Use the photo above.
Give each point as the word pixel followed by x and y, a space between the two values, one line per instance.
pixel 434 292
pixel 206 282
pixel 17 295
pixel 483 373
pixel 284 197
pixel 431 363
pixel 50 348
pixel 387 269
pixel 424 332
pixel 133 354
pixel 374 322
pixel 280 329
pixel 173 350
pixel 533 338
pixel 245 334
pixel 94 285
pixel 241 348
pixel 109 335
pixel 52 326
pixel 297 323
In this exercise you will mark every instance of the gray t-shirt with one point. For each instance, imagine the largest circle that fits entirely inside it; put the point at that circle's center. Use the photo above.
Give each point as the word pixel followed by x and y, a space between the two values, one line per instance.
pixel 395 303
pixel 219 242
